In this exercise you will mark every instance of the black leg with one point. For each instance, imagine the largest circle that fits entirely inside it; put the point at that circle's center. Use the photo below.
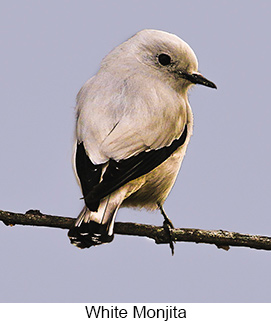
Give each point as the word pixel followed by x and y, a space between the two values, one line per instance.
pixel 168 226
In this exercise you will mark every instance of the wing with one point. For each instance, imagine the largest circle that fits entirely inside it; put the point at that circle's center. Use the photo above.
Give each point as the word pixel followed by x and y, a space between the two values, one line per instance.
pixel 118 173
pixel 88 173
pixel 123 137
pixel 114 122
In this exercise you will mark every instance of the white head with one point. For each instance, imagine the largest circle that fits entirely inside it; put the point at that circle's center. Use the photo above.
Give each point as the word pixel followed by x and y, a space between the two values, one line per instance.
pixel 163 54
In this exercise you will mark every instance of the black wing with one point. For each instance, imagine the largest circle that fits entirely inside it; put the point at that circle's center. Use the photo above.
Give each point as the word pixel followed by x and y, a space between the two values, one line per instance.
pixel 121 172
pixel 88 173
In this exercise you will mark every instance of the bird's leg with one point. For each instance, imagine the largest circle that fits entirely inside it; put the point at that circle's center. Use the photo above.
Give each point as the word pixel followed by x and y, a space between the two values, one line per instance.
pixel 168 226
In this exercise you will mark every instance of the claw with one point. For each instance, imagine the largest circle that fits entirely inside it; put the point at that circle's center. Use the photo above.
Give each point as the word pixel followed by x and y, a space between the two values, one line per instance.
pixel 168 226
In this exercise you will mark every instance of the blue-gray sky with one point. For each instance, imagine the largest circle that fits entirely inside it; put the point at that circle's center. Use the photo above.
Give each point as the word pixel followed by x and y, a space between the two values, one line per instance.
pixel 49 49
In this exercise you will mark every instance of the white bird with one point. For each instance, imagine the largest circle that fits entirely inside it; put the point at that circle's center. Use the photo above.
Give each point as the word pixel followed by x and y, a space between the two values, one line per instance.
pixel 134 123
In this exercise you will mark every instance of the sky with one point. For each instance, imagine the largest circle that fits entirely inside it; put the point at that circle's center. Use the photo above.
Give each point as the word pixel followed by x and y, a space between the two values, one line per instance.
pixel 49 50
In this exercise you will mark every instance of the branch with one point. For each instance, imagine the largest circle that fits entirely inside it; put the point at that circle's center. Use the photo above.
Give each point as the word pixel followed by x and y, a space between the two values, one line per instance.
pixel 220 238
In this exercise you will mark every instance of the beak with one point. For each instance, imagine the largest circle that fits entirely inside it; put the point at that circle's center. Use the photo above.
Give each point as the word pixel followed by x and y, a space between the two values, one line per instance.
pixel 197 78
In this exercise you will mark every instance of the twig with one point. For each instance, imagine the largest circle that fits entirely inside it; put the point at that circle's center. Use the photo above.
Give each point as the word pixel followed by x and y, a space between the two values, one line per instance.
pixel 220 238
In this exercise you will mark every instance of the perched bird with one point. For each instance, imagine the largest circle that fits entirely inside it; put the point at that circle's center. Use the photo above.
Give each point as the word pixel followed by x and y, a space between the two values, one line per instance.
pixel 133 126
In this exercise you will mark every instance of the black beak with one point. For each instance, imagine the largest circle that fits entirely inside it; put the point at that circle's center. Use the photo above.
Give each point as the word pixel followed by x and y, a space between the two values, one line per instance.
pixel 197 78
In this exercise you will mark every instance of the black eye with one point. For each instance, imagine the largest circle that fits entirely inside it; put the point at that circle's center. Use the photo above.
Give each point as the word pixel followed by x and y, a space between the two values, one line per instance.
pixel 164 59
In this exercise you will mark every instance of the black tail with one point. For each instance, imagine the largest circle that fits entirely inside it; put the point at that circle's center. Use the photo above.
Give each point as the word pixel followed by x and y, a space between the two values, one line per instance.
pixel 94 228
pixel 89 234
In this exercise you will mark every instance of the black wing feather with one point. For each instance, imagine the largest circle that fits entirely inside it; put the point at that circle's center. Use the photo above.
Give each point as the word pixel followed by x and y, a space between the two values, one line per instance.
pixel 121 172
pixel 88 173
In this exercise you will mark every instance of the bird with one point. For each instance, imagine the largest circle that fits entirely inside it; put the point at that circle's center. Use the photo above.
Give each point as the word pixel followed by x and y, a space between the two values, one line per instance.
pixel 133 125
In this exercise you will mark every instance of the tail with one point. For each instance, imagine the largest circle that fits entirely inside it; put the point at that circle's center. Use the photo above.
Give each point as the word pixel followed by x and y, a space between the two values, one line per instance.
pixel 94 228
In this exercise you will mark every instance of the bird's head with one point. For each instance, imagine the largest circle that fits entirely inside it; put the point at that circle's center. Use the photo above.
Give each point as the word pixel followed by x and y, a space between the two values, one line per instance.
pixel 171 56
pixel 166 56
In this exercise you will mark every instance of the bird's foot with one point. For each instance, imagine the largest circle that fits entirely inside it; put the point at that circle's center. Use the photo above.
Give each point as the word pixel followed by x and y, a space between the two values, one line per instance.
pixel 168 226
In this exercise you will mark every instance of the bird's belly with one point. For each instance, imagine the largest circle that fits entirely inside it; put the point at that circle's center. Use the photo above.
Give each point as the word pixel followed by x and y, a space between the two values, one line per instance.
pixel 156 185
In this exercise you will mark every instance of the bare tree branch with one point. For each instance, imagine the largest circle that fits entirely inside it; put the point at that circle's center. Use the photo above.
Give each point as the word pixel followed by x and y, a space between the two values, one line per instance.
pixel 220 238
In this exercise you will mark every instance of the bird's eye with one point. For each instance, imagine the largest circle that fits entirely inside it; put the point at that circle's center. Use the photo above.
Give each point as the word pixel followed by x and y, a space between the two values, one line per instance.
pixel 164 59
